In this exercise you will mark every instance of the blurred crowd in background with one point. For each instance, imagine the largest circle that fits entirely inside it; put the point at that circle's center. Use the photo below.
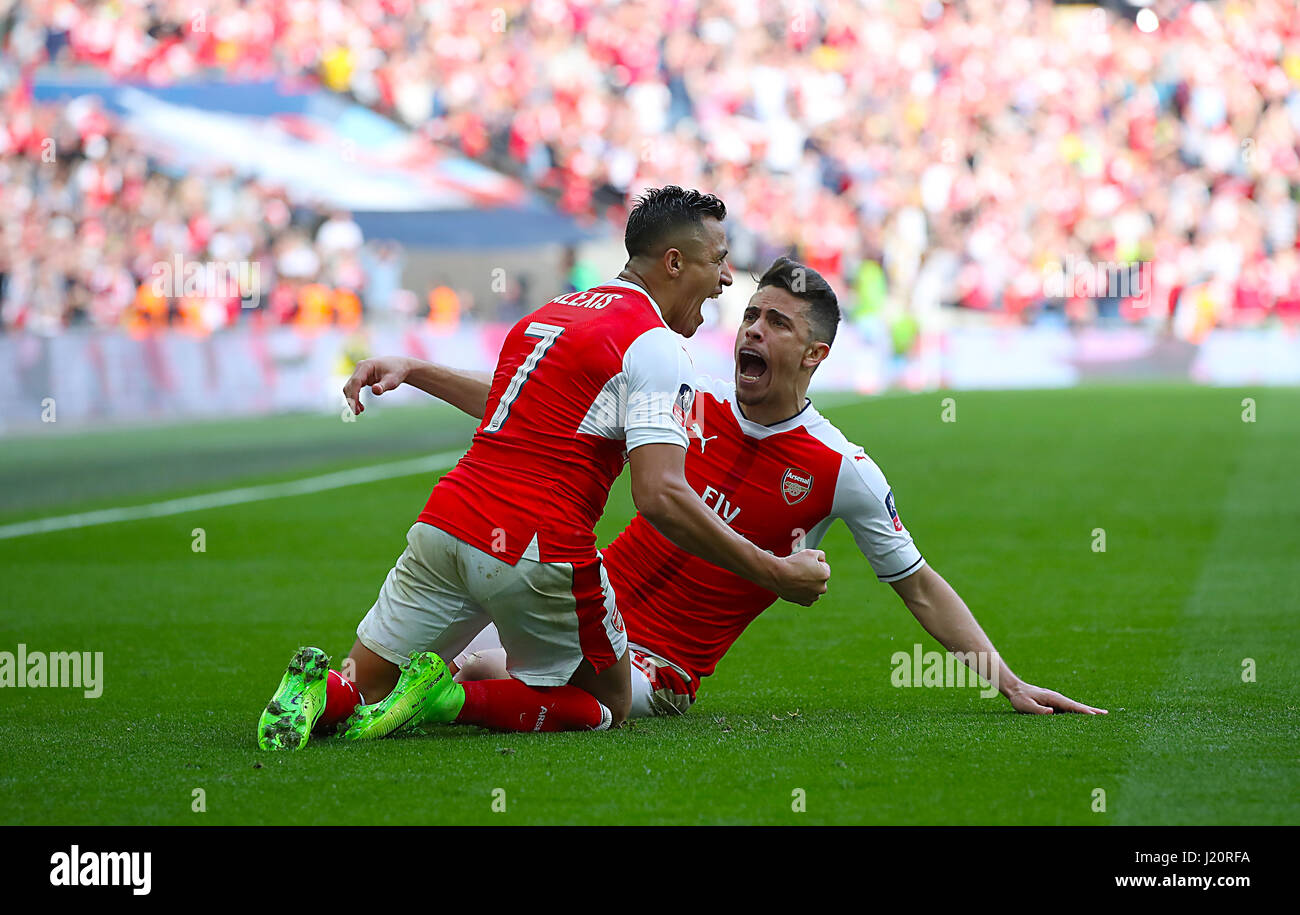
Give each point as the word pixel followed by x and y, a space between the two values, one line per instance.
pixel 925 156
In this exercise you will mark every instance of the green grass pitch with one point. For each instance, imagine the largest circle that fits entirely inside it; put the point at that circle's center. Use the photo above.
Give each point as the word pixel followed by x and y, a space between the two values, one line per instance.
pixel 1201 571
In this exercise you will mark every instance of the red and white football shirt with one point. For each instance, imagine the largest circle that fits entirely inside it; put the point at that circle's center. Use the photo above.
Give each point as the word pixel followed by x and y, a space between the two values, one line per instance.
pixel 580 382
pixel 781 487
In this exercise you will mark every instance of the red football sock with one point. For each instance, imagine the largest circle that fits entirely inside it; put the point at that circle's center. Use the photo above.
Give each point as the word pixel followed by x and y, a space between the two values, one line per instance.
pixel 341 697
pixel 510 705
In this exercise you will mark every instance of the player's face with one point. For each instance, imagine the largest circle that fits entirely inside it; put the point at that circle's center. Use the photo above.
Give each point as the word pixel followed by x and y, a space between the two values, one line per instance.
pixel 771 345
pixel 704 271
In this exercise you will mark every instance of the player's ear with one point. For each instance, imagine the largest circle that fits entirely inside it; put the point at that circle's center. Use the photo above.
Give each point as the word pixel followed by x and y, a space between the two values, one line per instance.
pixel 673 261
pixel 815 354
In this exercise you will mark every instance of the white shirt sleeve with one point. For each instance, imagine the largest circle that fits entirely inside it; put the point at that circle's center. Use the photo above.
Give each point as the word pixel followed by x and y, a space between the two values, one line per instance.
pixel 660 391
pixel 866 503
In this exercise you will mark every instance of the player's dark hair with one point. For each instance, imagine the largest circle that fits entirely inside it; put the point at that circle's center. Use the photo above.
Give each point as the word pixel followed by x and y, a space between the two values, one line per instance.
pixel 805 283
pixel 662 211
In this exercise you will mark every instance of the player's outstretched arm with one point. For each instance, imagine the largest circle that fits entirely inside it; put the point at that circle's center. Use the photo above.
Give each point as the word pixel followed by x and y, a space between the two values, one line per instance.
pixel 943 614
pixel 466 391
pixel 666 500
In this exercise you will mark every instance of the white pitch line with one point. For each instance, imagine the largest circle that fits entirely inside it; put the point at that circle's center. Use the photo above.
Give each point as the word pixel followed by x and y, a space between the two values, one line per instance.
pixel 234 496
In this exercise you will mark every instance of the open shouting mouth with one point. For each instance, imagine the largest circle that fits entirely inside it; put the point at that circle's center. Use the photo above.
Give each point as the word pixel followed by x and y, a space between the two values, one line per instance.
pixel 751 366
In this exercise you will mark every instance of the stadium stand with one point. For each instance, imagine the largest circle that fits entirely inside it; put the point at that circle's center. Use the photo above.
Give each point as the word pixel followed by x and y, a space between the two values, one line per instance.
pixel 924 156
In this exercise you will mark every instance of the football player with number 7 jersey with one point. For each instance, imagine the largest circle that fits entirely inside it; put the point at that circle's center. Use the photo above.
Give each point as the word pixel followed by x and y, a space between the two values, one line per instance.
pixel 587 382
pixel 776 471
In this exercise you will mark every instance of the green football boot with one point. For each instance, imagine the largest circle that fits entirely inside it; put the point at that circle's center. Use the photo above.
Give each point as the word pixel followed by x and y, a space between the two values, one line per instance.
pixel 425 693
pixel 297 705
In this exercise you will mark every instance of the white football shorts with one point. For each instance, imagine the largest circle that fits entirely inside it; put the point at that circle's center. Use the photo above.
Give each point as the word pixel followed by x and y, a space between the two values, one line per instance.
pixel 442 592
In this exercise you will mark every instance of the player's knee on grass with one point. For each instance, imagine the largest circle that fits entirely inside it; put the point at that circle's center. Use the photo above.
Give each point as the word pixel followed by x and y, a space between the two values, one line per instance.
pixel 484 658
pixel 374 676
pixel 612 687
pixel 486 664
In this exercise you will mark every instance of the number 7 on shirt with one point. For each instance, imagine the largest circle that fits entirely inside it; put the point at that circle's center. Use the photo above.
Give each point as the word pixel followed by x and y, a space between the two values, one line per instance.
pixel 548 334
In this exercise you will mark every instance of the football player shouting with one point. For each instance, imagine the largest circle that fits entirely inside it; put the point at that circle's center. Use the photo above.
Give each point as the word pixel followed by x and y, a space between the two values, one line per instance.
pixel 588 381
pixel 776 471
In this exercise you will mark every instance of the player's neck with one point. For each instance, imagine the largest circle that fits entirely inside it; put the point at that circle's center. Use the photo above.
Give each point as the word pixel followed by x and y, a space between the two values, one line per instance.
pixel 630 275
pixel 773 410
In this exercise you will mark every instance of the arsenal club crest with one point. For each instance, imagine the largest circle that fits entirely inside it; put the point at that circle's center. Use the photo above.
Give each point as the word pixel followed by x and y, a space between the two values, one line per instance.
pixel 795 485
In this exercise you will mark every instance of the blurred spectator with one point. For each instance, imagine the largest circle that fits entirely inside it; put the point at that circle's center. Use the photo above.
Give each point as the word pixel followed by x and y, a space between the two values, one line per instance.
pixel 96 234
pixel 338 235
pixel 382 264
